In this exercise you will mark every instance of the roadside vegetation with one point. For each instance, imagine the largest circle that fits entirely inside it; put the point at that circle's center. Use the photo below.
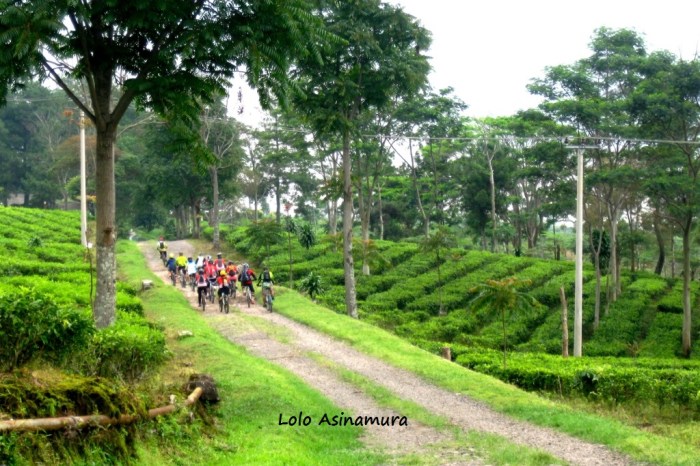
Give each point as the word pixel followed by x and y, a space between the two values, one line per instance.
pixel 632 369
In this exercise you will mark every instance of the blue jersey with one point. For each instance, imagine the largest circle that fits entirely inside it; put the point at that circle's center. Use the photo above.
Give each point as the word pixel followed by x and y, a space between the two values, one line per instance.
pixel 171 265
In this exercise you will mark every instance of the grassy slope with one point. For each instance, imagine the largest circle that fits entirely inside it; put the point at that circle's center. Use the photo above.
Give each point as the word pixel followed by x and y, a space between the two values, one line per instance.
pixel 254 393
pixel 502 397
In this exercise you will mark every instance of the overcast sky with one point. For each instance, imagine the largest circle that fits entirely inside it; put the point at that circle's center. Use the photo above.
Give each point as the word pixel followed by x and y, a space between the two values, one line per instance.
pixel 489 50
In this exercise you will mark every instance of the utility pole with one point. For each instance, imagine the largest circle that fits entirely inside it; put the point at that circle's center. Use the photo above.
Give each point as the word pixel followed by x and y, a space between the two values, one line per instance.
pixel 578 281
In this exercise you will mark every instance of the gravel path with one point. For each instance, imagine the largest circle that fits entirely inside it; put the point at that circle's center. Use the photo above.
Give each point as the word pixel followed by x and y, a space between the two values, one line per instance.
pixel 461 410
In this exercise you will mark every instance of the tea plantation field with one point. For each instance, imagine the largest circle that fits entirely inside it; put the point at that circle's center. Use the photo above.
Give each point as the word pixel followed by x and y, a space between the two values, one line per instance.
pixel 632 356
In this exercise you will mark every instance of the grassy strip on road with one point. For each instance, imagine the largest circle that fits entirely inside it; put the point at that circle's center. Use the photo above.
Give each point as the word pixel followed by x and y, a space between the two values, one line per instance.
pixel 253 394
pixel 502 397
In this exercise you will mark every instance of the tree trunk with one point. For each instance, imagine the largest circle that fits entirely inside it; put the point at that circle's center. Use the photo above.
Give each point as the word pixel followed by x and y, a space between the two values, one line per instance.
pixel 348 262
pixel 660 243
pixel 381 213
pixel 414 177
pixel 564 323
pixel 596 312
pixel 614 264
pixel 492 182
pixel 441 311
pixel 214 217
pixel 197 212
pixel 687 310
pixel 104 307
pixel 278 201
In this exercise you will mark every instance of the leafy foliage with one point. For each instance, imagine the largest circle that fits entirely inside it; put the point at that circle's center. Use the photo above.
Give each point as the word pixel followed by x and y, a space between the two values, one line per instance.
pixel 33 326
pixel 312 284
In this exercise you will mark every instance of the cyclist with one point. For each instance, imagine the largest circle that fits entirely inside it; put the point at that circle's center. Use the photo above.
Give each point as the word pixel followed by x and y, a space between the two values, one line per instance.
pixel 219 263
pixel 223 282
pixel 200 260
pixel 181 262
pixel 246 278
pixel 191 268
pixel 232 272
pixel 210 271
pixel 202 285
pixel 162 248
pixel 267 280
pixel 171 265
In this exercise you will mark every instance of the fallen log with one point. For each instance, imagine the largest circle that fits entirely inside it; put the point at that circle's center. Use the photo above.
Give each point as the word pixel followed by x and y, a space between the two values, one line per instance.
pixel 76 422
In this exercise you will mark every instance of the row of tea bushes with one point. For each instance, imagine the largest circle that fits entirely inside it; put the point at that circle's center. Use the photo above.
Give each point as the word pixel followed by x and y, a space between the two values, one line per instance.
pixel 606 379
pixel 46 286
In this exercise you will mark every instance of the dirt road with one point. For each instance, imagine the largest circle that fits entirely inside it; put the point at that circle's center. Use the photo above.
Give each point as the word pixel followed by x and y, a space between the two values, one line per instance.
pixel 300 342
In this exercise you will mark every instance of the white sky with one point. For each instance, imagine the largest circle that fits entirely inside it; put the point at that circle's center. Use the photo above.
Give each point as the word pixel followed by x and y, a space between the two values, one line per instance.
pixel 489 50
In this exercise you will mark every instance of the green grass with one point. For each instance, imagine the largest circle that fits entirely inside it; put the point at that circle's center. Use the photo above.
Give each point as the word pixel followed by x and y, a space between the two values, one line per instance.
pixel 244 425
pixel 505 398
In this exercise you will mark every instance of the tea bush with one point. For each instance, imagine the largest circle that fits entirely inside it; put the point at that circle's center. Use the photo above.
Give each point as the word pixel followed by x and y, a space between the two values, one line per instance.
pixel 127 349
pixel 33 326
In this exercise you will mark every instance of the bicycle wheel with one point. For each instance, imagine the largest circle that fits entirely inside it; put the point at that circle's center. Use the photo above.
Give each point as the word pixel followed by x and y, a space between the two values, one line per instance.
pixel 203 302
pixel 268 301
pixel 172 278
pixel 221 303
pixel 248 298
pixel 226 304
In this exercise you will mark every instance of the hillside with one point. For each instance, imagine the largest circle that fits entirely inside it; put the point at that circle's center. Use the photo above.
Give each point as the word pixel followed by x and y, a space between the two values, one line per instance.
pixel 242 428
pixel 402 295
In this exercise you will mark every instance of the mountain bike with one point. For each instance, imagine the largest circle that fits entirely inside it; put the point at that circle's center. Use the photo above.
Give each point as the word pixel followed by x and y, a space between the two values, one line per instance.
pixel 193 284
pixel 173 277
pixel 164 257
pixel 248 295
pixel 183 278
pixel 267 296
pixel 213 287
pixel 223 302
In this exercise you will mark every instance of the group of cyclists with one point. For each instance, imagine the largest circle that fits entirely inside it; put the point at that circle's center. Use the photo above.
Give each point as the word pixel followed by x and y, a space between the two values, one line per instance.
pixel 207 273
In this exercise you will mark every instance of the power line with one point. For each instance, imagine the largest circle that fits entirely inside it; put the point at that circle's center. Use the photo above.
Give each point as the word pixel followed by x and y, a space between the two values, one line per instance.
pixel 567 140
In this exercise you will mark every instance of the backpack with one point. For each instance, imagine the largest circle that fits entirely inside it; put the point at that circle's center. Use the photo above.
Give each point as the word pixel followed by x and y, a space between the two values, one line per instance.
pixel 202 279
pixel 266 277
pixel 245 276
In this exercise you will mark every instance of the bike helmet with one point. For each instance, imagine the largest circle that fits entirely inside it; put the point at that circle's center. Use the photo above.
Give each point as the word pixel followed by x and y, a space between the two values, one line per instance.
pixel 222 273
pixel 218 255
pixel 172 256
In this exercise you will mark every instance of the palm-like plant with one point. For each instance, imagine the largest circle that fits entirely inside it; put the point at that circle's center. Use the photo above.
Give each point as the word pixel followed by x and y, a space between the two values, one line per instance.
pixel 370 254
pixel 307 236
pixel 502 296
pixel 312 284
pixel 438 243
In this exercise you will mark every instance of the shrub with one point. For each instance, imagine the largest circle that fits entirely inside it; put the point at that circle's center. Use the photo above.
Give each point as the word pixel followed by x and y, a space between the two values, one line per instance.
pixel 127 349
pixel 32 325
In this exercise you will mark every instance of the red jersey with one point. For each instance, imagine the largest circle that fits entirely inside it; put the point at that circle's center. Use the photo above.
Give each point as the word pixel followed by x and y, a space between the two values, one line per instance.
pixel 222 280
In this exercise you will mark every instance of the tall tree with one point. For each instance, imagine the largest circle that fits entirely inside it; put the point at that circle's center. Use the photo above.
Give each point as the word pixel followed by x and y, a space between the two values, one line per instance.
pixel 668 104
pixel 221 137
pixel 594 96
pixel 165 55
pixel 379 60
